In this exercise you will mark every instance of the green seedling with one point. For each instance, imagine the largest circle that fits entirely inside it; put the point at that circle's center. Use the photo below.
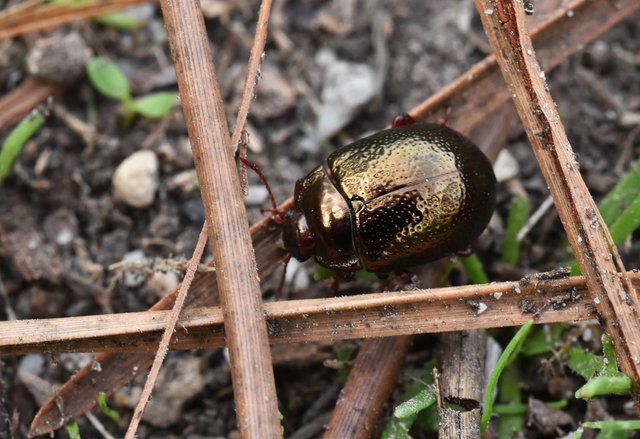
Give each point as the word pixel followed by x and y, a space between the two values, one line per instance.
pixel 474 269
pixel 508 355
pixel 621 196
pixel 108 411
pixel 73 430
pixel 542 340
pixel 110 81
pixel 516 219
pixel 425 398
pixel 620 209
pixel 118 20
pixel 510 396
pixel 16 140
pixel 417 407
pixel 601 373
pixel 609 429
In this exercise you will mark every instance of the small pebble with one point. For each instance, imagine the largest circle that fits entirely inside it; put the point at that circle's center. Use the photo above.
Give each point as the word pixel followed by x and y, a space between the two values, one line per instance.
pixel 61 227
pixel 163 283
pixel 347 87
pixel 60 59
pixel 134 278
pixel 136 179
pixel 32 363
pixel 506 166
pixel 256 196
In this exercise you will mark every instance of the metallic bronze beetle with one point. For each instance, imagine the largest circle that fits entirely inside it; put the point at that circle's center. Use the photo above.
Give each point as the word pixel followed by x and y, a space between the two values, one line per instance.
pixel 401 197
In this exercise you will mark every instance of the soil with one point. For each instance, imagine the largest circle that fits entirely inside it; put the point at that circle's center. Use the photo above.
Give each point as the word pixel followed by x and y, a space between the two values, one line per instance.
pixel 62 228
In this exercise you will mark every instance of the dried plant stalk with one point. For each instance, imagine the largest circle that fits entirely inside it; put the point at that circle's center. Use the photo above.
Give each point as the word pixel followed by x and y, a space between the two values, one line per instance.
pixel 238 285
pixel 505 24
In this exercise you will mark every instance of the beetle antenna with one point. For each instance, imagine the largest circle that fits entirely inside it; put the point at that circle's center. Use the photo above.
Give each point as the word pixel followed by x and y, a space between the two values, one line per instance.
pixel 259 173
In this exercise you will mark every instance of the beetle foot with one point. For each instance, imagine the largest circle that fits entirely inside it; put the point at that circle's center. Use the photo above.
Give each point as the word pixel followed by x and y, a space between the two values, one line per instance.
pixel 464 251
pixel 279 216
pixel 444 120
pixel 402 119
pixel 340 276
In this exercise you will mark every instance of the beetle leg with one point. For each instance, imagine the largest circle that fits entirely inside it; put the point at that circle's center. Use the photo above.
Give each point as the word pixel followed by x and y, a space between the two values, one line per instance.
pixel 402 119
pixel 285 261
pixel 278 215
pixel 340 276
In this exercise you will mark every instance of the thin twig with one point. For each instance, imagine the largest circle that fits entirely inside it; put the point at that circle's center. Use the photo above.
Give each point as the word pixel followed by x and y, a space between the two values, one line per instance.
pixel 338 318
pixel 255 58
pixel 168 332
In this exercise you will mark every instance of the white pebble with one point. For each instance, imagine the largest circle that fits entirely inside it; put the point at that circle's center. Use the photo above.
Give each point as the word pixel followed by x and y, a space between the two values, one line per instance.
pixel 136 179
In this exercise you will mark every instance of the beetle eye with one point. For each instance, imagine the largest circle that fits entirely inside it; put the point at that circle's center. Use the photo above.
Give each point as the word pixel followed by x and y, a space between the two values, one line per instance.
pixel 357 205
pixel 297 189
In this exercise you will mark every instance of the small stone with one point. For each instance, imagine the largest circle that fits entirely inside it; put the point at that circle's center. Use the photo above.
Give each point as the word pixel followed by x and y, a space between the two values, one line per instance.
pixel 59 59
pixel 347 87
pixel 180 379
pixel 297 277
pixel 506 166
pixel 61 227
pixel 163 283
pixel 136 179
pixel 33 364
pixel 256 196
pixel 135 277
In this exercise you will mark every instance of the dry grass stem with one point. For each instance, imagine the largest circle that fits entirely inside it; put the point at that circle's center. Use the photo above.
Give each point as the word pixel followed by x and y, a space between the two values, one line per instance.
pixel 505 25
pixel 39 15
pixel 239 288
pixel 338 318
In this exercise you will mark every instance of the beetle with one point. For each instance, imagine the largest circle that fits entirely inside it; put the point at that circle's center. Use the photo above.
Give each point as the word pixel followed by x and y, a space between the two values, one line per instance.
pixel 401 197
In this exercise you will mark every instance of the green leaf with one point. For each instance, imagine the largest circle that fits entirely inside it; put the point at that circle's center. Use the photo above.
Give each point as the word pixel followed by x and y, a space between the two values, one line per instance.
pixel 509 353
pixel 109 412
pixel 620 209
pixel 517 218
pixel 322 273
pixel 118 20
pixel 509 394
pixel 621 196
pixel 155 105
pixel 16 140
pixel 397 429
pixel 627 222
pixel 618 384
pixel 584 363
pixel 73 430
pixel 421 401
pixel 610 354
pixel 614 425
pixel 426 419
pixel 108 79
pixel 613 434
pixel 537 343
pixel 474 269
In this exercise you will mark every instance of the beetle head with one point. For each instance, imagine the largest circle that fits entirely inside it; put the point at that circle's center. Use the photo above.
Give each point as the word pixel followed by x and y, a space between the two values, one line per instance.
pixel 296 235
